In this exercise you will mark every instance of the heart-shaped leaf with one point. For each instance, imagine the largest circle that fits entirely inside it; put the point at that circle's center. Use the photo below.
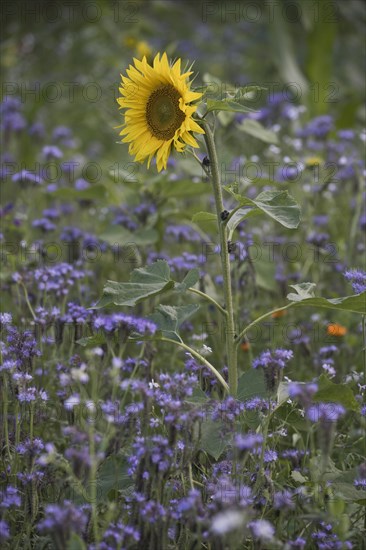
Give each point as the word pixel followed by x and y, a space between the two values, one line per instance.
pixel 169 318
pixel 145 282
pixel 279 205
pixel 305 297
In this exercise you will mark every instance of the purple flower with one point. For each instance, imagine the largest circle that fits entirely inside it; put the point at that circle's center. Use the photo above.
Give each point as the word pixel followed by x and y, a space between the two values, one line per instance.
pixel 272 363
pixel 347 135
pixel 276 358
pixel 4 531
pixel 61 520
pixel 262 529
pixel 325 412
pixel 360 483
pixel 10 497
pixel 270 456
pixel 129 323
pixel 25 176
pixel 357 277
pixel 227 410
pixel 44 224
pixel 10 104
pixel 318 239
pixel 319 127
pixel 6 318
pixel 52 152
pixel 297 544
pixel 303 392
pixel 37 130
pixel 283 500
pixel 81 184
pixel 30 447
pixel 248 442
pixel 32 394
pixel 51 213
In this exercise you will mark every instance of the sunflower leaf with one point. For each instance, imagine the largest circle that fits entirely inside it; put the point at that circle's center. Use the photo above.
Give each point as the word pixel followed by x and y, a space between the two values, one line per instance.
pixel 305 297
pixel 255 129
pixel 278 205
pixel 227 105
pixel 169 318
pixel 145 282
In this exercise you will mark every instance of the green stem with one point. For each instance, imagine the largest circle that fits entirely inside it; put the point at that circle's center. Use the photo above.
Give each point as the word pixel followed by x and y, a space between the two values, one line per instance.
pixel 28 302
pixel 5 416
pixel 231 350
pixel 256 321
pixel 200 358
pixel 207 297
pixel 94 460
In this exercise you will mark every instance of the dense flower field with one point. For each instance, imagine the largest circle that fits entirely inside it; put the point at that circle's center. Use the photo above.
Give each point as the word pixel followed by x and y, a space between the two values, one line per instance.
pixel 182 330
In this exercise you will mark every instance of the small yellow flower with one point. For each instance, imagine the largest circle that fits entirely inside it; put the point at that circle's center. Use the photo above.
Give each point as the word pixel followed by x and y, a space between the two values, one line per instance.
pixel 313 161
pixel 159 111
pixel 143 49
pixel 130 41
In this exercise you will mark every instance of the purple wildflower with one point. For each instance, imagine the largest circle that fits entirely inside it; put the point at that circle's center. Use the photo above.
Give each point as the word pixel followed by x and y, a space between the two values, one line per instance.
pixel 262 530
pixel 325 412
pixel 25 176
pixel 283 500
pixel 4 531
pixel 248 442
pixel 357 278
pixel 52 152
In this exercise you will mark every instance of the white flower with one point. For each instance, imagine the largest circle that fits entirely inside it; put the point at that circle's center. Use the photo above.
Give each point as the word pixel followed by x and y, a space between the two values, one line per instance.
pixel 72 401
pixel 227 521
pixel 79 375
pixel 205 350
pixel 117 362
pixel 262 529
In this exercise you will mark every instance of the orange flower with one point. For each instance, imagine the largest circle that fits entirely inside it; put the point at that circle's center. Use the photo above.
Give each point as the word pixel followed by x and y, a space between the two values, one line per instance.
pixel 278 314
pixel 336 330
pixel 245 346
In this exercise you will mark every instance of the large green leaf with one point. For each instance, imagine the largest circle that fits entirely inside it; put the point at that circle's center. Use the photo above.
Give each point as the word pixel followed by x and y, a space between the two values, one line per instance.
pixel 252 384
pixel 189 280
pixel 75 543
pixel 335 393
pixel 213 438
pixel 349 492
pixel 180 188
pixel 145 282
pixel 255 129
pixel 112 477
pixel 227 105
pixel 304 296
pixel 204 217
pixel 169 318
pixel 240 215
pixel 279 205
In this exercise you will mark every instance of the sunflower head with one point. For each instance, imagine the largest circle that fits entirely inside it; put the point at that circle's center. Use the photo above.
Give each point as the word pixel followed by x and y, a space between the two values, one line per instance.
pixel 158 102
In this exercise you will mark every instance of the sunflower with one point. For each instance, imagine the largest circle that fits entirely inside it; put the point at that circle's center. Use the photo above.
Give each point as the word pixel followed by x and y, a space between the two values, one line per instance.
pixel 159 111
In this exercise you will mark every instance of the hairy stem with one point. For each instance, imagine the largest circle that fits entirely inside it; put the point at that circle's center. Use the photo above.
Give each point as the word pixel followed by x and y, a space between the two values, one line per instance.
pixel 230 335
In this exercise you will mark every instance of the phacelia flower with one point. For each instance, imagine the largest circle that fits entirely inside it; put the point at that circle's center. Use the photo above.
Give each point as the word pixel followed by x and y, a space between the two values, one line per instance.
pixel 357 278
pixel 159 111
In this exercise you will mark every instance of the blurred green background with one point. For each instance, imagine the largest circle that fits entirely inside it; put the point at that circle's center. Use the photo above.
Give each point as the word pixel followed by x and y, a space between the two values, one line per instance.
pixel 71 54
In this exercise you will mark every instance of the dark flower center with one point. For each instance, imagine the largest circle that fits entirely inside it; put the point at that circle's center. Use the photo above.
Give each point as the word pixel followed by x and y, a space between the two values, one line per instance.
pixel 163 114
